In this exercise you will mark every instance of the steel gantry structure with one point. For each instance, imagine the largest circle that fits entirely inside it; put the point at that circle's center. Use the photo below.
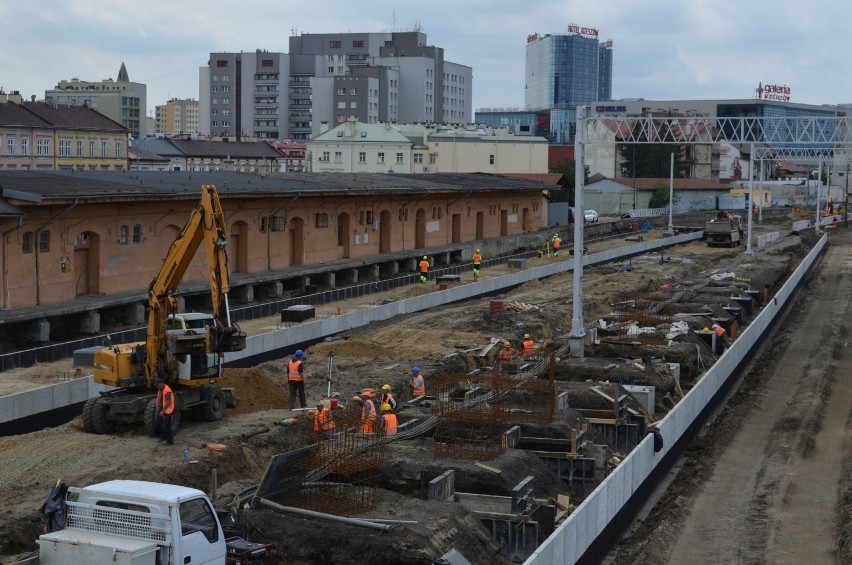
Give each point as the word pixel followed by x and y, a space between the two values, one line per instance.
pixel 800 139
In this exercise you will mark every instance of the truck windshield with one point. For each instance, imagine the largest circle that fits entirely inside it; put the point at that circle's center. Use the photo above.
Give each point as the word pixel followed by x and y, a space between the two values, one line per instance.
pixel 197 516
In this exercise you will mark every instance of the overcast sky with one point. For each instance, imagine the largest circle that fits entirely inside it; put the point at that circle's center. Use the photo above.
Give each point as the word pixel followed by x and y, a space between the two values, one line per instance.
pixel 662 49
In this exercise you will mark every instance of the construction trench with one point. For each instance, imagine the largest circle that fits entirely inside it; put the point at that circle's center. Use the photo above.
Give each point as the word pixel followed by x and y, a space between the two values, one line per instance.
pixel 496 457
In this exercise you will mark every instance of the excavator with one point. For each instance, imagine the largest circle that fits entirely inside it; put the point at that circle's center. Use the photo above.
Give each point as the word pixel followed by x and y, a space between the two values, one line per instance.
pixel 184 350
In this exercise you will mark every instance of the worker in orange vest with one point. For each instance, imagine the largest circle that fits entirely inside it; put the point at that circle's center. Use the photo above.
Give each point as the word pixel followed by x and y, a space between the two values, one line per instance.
pixel 165 414
pixel 389 421
pixel 323 420
pixel 417 383
pixel 477 264
pixel 557 243
pixel 424 269
pixel 722 335
pixel 507 353
pixel 388 397
pixel 296 379
pixel 529 345
pixel 368 411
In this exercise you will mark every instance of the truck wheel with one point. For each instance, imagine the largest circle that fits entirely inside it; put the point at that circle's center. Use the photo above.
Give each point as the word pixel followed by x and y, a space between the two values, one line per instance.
pixel 214 404
pixel 150 417
pixel 100 423
pixel 88 407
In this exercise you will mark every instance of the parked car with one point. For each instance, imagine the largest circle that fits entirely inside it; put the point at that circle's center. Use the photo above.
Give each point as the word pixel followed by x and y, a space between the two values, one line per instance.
pixel 591 216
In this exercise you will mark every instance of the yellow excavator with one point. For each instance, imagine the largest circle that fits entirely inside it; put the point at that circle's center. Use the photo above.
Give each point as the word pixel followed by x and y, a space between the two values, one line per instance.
pixel 185 351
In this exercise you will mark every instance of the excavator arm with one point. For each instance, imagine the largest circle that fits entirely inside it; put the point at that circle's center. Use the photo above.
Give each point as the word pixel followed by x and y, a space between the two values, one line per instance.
pixel 206 225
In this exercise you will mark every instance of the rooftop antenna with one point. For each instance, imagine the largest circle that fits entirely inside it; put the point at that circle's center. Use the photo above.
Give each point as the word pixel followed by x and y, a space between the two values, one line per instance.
pixel 393 16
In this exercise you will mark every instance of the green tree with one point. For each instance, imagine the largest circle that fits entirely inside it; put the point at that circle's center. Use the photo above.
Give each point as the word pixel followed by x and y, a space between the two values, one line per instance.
pixel 651 160
pixel 567 168
pixel 660 199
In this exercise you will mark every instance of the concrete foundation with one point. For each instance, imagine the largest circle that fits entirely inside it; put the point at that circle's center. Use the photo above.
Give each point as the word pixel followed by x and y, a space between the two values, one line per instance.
pixel 134 314
pixel 275 290
pixel 243 294
pixel 352 276
pixel 331 280
pixel 39 331
pixel 90 323
pixel 443 487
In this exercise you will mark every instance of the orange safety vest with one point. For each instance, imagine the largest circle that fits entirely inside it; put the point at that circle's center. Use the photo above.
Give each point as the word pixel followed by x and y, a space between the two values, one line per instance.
pixel 368 416
pixel 529 347
pixel 166 394
pixel 556 243
pixel 477 258
pixel 323 421
pixel 389 423
pixel 418 385
pixel 424 266
pixel 720 331
pixel 293 373
pixel 506 354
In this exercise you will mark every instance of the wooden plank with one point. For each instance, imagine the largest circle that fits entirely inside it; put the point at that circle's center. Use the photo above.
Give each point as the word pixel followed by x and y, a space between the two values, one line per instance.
pixel 547 440
pixel 487 468
pixel 563 501
pixel 560 454
pixel 610 421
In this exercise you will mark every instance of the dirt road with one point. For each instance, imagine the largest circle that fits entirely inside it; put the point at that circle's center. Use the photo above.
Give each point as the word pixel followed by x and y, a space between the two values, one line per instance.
pixel 765 484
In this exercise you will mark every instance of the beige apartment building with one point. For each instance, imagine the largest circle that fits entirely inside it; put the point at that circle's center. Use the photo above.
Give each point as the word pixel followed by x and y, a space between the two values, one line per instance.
pixel 177 117
pixel 102 233
pixel 425 148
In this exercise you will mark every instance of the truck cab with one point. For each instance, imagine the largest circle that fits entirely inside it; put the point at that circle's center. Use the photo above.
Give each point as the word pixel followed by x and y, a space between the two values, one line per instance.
pixel 138 523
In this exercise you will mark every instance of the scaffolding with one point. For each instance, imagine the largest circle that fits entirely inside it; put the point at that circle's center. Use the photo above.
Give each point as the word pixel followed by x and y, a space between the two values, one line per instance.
pixel 338 474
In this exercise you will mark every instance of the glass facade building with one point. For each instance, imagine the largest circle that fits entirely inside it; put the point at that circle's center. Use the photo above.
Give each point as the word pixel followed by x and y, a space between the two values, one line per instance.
pixel 780 133
pixel 566 71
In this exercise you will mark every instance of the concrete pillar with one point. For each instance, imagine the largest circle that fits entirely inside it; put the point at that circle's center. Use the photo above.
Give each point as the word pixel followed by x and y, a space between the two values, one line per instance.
pixel 578 347
pixel 373 272
pixel 39 331
pixel 411 265
pixel 90 323
pixel 331 280
pixel 306 284
pixel 276 290
pixel 443 259
pixel 443 487
pixel 134 314
pixel 562 401
pixel 390 268
pixel 512 437
pixel 352 276
pixel 243 294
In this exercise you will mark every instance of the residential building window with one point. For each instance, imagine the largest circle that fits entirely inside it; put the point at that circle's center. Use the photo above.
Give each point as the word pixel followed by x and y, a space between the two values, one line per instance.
pixel 226 88
pixel 321 220
pixel 325 156
pixel 353 104
pixel 43 146
pixel 137 233
pixel 491 159
pixel 362 156
pixel 214 89
pixel 341 118
pixel 399 158
pixel 43 241
pixel 25 146
pixel 431 158
pixel 418 158
pixel 64 147
pixel 334 44
pixel 369 216
pixel 226 78
pixel 91 149
pixel 381 158
pixel 118 149
pixel 353 91
pixel 266 63
pixel 338 157
pixel 221 63
pixel 10 144
pixel 331 70
pixel 27 242
pixel 103 148
pixel 79 148
pixel 341 105
pixel 341 91
pixel 357 43
pixel 122 235
pixel 226 100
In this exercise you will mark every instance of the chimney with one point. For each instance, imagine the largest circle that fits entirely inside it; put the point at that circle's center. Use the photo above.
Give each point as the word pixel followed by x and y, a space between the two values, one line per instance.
pixel 349 128
pixel 323 127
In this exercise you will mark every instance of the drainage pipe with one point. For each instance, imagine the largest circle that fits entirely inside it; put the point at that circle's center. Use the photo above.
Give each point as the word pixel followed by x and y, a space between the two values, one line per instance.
pixel 323 516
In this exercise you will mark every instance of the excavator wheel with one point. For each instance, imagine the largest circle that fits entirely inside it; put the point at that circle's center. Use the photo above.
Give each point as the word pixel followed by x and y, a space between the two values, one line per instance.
pixel 213 408
pixel 150 416
pixel 100 423
pixel 88 407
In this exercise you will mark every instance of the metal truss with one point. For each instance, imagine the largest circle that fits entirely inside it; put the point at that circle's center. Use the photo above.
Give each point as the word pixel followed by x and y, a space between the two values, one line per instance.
pixel 795 138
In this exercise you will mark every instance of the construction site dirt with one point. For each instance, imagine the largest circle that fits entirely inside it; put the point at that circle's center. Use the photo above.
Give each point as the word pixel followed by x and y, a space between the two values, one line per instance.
pixel 782 438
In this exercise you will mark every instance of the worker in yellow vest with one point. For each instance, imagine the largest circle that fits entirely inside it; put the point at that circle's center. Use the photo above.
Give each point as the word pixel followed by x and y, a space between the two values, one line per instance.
pixel 424 269
pixel 477 264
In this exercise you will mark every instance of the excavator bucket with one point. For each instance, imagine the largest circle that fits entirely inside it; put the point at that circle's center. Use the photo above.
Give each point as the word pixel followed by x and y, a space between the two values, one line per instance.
pixel 225 340
pixel 189 344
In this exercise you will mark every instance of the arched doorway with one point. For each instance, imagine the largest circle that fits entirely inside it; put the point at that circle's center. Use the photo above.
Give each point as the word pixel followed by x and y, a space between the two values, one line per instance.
pixel 238 247
pixel 420 229
pixel 384 231
pixel 87 262
pixel 297 241
pixel 344 234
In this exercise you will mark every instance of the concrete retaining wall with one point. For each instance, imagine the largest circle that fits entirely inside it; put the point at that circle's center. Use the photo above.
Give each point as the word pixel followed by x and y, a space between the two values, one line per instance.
pixel 577 533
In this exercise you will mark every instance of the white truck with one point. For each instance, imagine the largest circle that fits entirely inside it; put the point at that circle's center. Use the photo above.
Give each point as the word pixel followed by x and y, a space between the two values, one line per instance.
pixel 136 523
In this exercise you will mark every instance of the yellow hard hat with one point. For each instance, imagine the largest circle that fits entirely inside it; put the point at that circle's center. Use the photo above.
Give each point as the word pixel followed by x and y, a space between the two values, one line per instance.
pixel 386 407
pixel 706 329
pixel 477 250
pixel 386 387
pixel 507 344
pixel 526 336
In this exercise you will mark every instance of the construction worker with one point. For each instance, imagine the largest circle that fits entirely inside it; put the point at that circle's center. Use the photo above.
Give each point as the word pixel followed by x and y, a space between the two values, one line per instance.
pixel 417 383
pixel 424 269
pixel 557 243
pixel 389 421
pixel 323 420
pixel 507 353
pixel 529 345
pixel 165 413
pixel 722 335
pixel 296 379
pixel 388 397
pixel 477 264
pixel 368 411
